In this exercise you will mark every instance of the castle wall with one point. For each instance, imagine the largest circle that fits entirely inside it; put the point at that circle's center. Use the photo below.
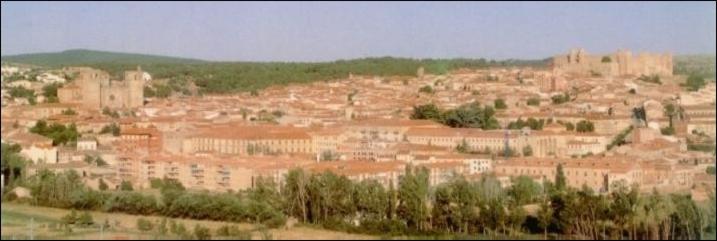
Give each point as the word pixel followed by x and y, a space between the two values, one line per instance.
pixel 94 89
pixel 621 63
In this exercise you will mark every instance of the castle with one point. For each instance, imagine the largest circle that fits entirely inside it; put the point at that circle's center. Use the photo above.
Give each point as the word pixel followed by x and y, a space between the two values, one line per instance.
pixel 93 89
pixel 621 63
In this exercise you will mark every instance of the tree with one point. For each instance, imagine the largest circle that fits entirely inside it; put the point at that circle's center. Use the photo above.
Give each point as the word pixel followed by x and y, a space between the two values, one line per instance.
pixel 144 224
pixel 428 111
pixel 201 232
pixel 534 101
pixel 13 164
pixel 413 195
pixel 606 59
pixel 296 193
pixel 126 186
pixel 499 104
pixel 102 185
pixel 560 182
pixel 527 150
pixel 585 126
pixel 695 82
pixel 523 190
pixel 559 99
pixel 426 89
pixel 85 219
pixel 545 217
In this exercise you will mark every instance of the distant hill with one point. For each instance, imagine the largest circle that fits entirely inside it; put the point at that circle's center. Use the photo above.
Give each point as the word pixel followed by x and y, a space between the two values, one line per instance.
pixel 92 57
pixel 703 64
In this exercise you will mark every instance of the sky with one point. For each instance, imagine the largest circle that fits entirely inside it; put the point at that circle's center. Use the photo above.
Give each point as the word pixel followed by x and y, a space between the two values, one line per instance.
pixel 325 31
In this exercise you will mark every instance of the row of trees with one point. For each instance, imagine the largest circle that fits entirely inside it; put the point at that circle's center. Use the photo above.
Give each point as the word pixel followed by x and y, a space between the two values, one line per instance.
pixel 471 115
pixel 457 207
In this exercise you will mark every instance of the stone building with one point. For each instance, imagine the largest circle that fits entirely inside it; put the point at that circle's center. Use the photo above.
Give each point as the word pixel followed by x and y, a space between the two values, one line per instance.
pixel 621 63
pixel 93 89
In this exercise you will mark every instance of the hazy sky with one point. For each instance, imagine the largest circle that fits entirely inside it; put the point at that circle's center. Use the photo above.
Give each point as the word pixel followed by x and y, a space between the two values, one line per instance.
pixel 318 31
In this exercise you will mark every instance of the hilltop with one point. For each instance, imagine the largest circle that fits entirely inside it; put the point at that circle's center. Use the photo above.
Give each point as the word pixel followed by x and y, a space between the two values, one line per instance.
pixel 91 57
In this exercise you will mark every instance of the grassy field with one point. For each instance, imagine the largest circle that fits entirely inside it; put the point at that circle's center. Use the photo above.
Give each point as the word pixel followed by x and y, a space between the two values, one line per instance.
pixel 16 225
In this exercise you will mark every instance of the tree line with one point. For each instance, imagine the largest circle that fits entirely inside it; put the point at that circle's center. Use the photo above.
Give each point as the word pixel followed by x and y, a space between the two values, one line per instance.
pixel 471 115
pixel 457 208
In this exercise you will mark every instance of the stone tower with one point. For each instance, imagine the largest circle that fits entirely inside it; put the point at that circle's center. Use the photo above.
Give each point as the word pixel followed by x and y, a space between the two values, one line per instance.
pixel 135 87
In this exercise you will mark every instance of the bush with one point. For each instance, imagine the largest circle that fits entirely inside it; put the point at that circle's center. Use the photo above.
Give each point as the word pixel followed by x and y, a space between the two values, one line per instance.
pixel 202 233
pixel 85 219
pixel 499 104
pixel 426 89
pixel 534 101
pixel 144 225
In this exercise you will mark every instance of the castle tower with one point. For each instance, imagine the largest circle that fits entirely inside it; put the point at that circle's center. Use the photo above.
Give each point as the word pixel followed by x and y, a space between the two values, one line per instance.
pixel 135 85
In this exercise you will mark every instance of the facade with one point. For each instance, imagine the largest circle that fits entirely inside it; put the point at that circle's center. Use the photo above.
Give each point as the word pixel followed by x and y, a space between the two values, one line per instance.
pixel 93 89
pixel 621 63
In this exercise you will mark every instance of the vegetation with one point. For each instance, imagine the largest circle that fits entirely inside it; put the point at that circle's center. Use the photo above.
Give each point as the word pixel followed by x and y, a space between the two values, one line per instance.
pixel 668 131
pixel 534 101
pixel 585 126
pixel 228 77
pixel 702 65
pixel 21 92
pixel 620 138
pixel 69 112
pixel 111 113
pixel 457 207
pixel 60 134
pixel 695 82
pixel 655 79
pixel 50 92
pixel 606 59
pixel 533 123
pixel 111 128
pixel 12 163
pixel 465 116
pixel 499 104
pixel 559 99
pixel 426 89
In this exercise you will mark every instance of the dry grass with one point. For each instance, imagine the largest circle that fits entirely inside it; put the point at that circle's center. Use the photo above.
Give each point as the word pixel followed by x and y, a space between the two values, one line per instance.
pixel 16 222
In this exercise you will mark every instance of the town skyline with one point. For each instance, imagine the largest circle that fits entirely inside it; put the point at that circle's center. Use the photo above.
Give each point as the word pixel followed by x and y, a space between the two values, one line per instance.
pixel 357 30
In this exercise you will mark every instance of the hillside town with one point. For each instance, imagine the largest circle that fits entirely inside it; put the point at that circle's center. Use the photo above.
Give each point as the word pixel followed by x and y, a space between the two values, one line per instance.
pixel 605 120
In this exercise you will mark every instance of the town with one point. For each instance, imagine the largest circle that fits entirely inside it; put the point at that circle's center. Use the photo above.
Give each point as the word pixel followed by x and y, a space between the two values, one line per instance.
pixel 582 113
pixel 358 120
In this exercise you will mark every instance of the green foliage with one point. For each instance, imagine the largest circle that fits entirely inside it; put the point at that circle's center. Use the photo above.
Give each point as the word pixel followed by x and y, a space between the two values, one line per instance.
pixel 620 138
pixel 202 233
pixel 711 170
pixel 534 101
pixel 668 131
pixel 655 79
pixel 60 134
pixel 527 150
pixel 426 112
pixel 69 112
pixel 465 116
pixel 524 190
pixel 702 65
pixel 585 126
pixel 111 113
pixel 695 82
pixel 111 128
pixel 560 181
pixel 85 219
pixel 532 123
pixel 13 164
pixel 21 92
pixel 144 225
pixel 50 92
pixel 499 104
pixel 559 99
pixel 426 89
pixel 126 186
pixel 102 185
pixel 70 218
pixel 77 57
pixel 606 59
